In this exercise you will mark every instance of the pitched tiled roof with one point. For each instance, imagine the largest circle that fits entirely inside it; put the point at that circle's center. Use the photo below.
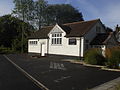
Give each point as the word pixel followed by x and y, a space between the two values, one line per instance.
pixel 75 29
pixel 41 34
pixel 80 28
pixel 101 39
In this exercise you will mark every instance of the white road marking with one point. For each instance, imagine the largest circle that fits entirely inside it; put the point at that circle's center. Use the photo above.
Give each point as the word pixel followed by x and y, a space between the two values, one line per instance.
pixel 38 83
pixel 62 78
pixel 55 66
pixel 59 66
pixel 62 66
pixel 51 65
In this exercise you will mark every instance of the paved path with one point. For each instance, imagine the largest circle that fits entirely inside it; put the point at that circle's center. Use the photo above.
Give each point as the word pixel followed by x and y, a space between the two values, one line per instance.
pixel 12 79
pixel 56 74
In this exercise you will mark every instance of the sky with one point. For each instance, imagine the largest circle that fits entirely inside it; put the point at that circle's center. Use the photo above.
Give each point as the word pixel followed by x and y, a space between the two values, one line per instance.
pixel 107 10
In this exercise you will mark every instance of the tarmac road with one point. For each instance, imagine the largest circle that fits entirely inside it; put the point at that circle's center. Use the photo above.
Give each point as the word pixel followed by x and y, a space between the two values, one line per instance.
pixel 12 79
pixel 56 74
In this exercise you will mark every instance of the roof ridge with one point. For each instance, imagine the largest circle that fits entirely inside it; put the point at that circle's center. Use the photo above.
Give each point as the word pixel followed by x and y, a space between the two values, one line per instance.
pixel 80 22
pixel 71 23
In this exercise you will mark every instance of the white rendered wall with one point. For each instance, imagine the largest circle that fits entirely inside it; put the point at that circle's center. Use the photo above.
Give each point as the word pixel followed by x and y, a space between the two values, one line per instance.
pixel 32 48
pixel 64 48
pixel 37 48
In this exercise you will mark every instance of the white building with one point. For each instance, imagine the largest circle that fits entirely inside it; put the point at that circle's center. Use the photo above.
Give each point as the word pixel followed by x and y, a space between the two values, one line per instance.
pixel 71 39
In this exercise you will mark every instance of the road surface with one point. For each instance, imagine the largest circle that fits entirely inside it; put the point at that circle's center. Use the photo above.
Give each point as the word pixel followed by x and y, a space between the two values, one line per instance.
pixel 12 79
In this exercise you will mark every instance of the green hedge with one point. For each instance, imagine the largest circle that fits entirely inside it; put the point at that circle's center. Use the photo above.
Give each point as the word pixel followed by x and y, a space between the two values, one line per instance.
pixel 94 56
pixel 113 60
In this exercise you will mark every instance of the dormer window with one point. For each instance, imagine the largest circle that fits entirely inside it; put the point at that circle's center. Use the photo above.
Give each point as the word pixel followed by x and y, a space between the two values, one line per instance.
pixel 56 39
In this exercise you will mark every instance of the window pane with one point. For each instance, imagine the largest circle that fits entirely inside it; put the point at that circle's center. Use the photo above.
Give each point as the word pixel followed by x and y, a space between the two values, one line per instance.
pixel 33 42
pixel 52 35
pixel 52 41
pixel 57 40
pixel 72 41
pixel 60 41
pixel 58 35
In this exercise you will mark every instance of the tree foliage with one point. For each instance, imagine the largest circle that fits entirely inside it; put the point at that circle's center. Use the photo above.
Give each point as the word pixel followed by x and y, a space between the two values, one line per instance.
pixel 24 9
pixel 39 13
pixel 10 31
pixel 62 13
pixel 94 56
pixel 113 57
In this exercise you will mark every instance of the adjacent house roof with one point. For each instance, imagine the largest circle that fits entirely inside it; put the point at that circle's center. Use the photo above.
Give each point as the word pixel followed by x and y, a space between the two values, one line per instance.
pixel 101 39
pixel 80 28
pixel 75 29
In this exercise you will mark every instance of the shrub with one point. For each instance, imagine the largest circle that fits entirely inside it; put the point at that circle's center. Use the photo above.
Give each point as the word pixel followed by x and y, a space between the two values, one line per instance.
pixel 4 50
pixel 94 56
pixel 113 60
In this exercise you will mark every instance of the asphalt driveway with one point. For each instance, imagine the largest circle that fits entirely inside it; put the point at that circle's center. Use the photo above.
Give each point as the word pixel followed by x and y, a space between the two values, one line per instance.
pixel 12 79
pixel 57 74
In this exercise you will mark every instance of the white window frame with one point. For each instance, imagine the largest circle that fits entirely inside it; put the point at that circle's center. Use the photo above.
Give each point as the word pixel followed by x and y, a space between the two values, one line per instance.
pixel 72 39
pixel 33 42
pixel 56 39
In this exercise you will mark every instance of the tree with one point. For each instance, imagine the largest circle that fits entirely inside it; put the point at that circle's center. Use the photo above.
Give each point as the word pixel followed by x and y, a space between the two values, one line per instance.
pixel 62 13
pixel 23 9
pixel 39 12
pixel 10 31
